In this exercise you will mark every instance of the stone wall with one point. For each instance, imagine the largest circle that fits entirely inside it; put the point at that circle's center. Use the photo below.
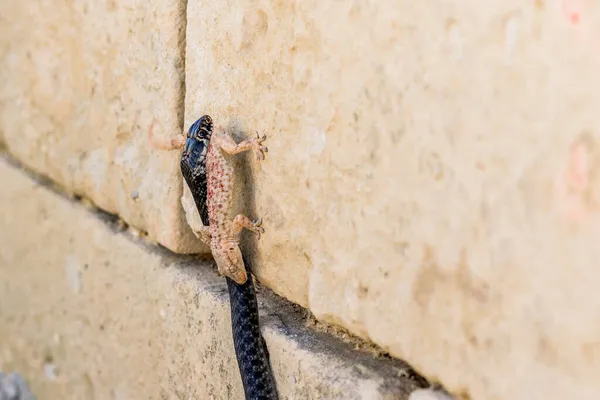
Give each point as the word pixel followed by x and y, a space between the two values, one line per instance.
pixel 431 183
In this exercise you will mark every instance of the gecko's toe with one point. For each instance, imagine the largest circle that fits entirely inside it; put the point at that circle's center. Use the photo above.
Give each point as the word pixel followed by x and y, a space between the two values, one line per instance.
pixel 259 138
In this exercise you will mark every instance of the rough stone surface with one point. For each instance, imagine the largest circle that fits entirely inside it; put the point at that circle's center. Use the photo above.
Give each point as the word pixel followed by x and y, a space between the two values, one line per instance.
pixel 14 387
pixel 87 312
pixel 428 394
pixel 80 83
pixel 432 179
pixel 432 182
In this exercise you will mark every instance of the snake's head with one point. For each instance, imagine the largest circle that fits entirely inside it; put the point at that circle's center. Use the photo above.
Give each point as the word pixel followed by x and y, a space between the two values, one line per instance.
pixel 196 144
pixel 201 129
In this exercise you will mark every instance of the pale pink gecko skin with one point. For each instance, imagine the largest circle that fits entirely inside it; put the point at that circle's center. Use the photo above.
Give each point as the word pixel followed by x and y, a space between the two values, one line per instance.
pixel 223 234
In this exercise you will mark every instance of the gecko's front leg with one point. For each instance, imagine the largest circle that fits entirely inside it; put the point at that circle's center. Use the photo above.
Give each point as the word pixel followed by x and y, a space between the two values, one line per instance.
pixel 204 234
pixel 241 221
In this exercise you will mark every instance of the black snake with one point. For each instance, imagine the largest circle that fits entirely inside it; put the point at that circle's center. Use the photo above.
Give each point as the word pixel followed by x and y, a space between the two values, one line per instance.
pixel 250 348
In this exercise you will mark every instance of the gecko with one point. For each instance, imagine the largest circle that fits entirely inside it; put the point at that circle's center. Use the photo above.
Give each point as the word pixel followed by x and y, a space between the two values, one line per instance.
pixel 210 179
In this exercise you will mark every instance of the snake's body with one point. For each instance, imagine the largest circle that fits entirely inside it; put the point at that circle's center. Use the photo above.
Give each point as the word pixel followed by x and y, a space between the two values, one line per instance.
pixel 212 180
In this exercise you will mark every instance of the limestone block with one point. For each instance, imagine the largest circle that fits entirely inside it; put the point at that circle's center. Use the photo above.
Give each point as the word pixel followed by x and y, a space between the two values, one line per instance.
pixel 432 178
pixel 88 312
pixel 80 84
pixel 428 394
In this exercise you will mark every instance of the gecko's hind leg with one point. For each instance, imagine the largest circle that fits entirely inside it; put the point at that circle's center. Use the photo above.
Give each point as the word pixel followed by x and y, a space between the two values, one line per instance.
pixel 164 143
pixel 229 145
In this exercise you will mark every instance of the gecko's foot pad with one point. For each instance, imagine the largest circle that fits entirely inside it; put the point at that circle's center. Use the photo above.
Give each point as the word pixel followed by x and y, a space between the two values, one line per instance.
pixel 258 148
pixel 257 228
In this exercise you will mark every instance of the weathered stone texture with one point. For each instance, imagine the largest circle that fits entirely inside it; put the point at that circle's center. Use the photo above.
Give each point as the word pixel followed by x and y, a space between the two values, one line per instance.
pixel 432 179
pixel 88 313
pixel 428 394
pixel 80 83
